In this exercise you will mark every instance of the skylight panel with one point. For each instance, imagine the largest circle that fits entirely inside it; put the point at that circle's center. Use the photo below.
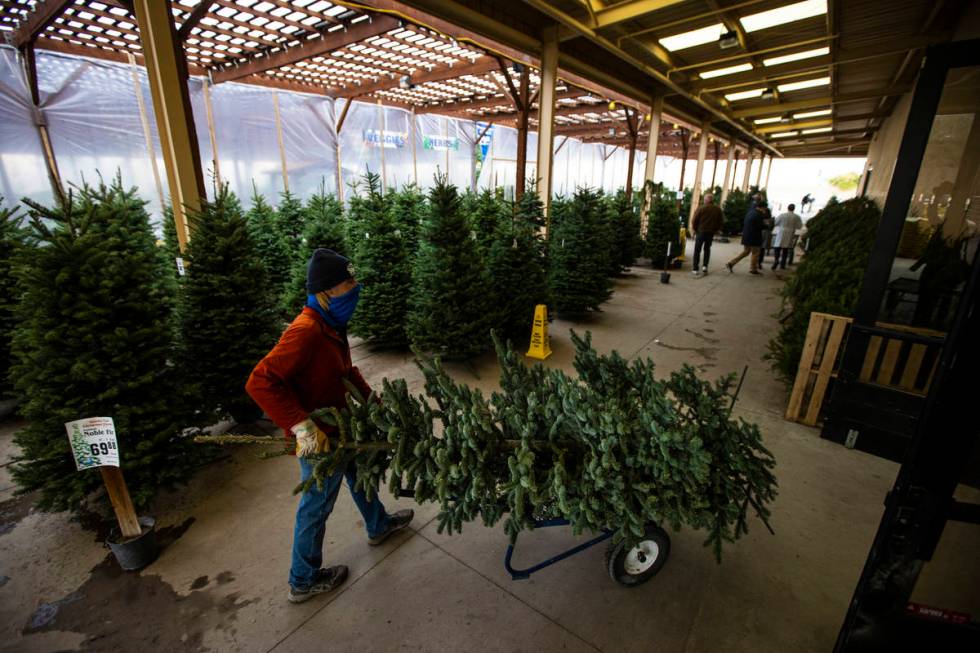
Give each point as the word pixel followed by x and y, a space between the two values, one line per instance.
pixel 744 95
pixel 767 121
pixel 812 114
pixel 730 70
pixel 693 38
pixel 817 130
pixel 796 56
pixel 785 134
pixel 783 15
pixel 806 83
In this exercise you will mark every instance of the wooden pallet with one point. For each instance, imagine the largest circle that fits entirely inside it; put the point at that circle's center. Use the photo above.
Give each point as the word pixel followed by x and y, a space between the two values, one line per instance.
pixel 889 362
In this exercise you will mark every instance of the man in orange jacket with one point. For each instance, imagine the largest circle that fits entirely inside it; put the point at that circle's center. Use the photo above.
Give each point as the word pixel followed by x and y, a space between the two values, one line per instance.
pixel 305 372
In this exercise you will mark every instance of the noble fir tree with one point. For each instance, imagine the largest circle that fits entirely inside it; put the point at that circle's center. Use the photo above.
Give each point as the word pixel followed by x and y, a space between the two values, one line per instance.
pixel 516 266
pixel 663 227
pixel 324 229
pixel 274 251
pixel 366 202
pixel 13 238
pixel 579 254
pixel 613 448
pixel 486 214
pixel 734 209
pixel 407 209
pixel 448 313
pixel 95 338
pixel 625 220
pixel 383 266
pixel 170 243
pixel 227 312
pixel 291 218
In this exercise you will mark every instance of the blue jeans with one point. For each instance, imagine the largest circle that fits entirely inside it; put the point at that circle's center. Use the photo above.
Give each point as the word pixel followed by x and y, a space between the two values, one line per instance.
pixel 311 520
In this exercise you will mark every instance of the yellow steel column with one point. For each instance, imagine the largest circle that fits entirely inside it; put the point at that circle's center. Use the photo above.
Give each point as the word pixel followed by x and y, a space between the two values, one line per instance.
pixel 167 72
pixel 758 175
pixel 546 116
pixel 699 172
pixel 726 183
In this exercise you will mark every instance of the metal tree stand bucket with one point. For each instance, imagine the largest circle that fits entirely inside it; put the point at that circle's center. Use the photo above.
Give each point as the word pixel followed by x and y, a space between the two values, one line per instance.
pixel 137 552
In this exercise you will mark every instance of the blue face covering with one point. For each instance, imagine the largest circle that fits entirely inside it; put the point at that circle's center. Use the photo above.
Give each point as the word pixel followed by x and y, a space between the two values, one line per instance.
pixel 341 307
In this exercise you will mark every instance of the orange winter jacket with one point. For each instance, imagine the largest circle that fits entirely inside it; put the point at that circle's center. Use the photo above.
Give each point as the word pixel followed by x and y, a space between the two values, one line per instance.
pixel 304 372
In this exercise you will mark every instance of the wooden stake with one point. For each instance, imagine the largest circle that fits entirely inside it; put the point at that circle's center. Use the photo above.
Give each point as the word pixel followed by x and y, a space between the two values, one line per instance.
pixel 282 147
pixel 121 502
pixel 147 134
pixel 209 111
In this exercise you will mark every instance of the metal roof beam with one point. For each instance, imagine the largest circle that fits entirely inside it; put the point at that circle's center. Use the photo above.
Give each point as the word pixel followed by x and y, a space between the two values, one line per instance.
pixel 820 102
pixel 624 11
pixel 328 42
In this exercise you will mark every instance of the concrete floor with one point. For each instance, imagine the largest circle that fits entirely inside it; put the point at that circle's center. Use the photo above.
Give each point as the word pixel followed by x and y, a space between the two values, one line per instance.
pixel 220 583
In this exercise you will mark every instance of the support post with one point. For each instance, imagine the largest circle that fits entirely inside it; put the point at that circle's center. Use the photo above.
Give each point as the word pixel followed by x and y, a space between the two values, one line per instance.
pixel 729 171
pixel 714 168
pixel 338 125
pixel 209 112
pixel 167 73
pixel 121 502
pixel 147 134
pixel 282 146
pixel 30 70
pixel 748 170
pixel 523 112
pixel 546 118
pixel 768 170
pixel 699 172
pixel 384 169
pixel 633 128
pixel 653 140
pixel 412 136
pixel 685 146
pixel 758 175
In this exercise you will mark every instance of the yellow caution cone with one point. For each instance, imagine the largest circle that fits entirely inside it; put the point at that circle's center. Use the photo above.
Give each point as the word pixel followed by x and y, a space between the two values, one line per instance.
pixel 540 343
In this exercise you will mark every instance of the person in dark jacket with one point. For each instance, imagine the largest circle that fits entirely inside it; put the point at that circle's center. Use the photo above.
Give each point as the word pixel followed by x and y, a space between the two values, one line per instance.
pixel 708 220
pixel 305 371
pixel 751 238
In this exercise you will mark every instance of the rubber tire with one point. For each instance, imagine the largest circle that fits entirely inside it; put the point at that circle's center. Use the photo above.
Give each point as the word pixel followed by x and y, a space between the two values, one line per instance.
pixel 616 558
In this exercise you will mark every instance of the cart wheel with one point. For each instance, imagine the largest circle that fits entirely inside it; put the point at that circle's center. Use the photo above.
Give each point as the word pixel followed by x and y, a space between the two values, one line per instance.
pixel 635 566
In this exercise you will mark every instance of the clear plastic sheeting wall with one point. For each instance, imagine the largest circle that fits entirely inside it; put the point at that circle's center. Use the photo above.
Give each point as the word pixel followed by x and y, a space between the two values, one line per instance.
pixel 248 142
pixel 446 146
pixel 22 169
pixel 93 113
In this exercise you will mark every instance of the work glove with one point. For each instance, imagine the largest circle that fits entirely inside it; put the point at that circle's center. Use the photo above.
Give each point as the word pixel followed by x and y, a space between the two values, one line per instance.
pixel 310 439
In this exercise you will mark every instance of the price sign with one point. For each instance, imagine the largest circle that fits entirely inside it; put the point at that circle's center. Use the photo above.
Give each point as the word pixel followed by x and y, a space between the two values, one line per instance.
pixel 93 442
pixel 180 266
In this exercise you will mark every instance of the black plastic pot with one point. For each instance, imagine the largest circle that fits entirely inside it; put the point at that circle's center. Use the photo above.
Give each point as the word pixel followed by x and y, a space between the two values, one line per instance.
pixel 137 552
pixel 665 277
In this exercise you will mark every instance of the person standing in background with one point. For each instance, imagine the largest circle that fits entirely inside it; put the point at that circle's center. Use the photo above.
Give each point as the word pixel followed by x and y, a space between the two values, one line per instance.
pixel 783 236
pixel 751 239
pixel 708 220
pixel 763 207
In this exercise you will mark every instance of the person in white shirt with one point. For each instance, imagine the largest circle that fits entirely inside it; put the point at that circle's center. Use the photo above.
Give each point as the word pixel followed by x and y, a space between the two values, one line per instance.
pixel 784 229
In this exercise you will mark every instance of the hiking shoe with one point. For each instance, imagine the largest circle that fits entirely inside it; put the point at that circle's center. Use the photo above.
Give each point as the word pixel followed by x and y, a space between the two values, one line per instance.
pixel 704 271
pixel 754 272
pixel 325 581
pixel 694 272
pixel 730 269
pixel 396 522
